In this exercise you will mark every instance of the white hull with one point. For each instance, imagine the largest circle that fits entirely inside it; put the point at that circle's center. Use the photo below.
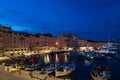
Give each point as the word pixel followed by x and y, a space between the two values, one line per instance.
pixel 65 69
pixel 49 69
pixel 63 73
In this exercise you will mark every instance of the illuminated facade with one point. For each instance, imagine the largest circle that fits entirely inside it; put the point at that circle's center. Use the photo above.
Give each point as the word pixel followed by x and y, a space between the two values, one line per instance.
pixel 5 37
pixel 67 40
pixel 10 39
pixel 47 41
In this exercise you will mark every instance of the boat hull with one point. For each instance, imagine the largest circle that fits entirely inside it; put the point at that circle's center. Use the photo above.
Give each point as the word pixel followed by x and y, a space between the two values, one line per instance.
pixel 63 73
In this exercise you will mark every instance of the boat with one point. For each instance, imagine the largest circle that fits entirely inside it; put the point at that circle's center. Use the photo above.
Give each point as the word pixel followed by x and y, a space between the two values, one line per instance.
pixel 99 57
pixel 88 55
pixel 39 75
pixel 65 69
pixel 32 63
pixel 50 67
pixel 34 66
pixel 101 73
pixel 109 49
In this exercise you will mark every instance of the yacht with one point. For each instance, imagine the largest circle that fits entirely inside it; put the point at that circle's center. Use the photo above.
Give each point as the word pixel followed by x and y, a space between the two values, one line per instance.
pixel 109 49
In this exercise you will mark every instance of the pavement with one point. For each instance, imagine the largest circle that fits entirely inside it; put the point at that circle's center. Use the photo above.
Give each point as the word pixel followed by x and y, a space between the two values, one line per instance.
pixel 22 75
pixel 5 75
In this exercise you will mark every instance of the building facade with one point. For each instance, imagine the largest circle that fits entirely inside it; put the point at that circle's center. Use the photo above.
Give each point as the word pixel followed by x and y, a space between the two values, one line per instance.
pixel 47 41
pixel 67 40
pixel 5 37
pixel 10 39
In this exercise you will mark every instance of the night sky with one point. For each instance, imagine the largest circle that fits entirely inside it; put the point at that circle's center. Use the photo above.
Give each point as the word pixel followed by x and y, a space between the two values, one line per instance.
pixel 91 19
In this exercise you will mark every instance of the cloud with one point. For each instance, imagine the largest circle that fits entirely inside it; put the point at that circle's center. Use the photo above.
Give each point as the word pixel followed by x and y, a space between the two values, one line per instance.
pixel 12 11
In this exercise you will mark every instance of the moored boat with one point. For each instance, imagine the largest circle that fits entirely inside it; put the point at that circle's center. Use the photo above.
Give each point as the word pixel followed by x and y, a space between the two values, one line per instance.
pixel 33 66
pixel 66 68
pixel 101 73
pixel 99 57
pixel 50 67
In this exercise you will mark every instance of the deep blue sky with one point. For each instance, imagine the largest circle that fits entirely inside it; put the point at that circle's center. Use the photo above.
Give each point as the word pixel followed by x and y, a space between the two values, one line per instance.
pixel 92 19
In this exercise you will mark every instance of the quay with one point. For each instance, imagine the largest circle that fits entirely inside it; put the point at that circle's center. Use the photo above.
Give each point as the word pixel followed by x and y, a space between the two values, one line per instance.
pixel 23 75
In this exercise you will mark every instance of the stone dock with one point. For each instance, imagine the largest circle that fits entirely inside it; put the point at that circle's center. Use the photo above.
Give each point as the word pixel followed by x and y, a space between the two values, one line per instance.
pixel 22 75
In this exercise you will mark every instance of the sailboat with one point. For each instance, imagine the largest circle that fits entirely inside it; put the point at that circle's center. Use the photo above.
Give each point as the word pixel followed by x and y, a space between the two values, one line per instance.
pixel 66 68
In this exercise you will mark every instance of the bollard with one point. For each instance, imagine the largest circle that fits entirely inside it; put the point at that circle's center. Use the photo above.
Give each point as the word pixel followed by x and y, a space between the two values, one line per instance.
pixel 3 64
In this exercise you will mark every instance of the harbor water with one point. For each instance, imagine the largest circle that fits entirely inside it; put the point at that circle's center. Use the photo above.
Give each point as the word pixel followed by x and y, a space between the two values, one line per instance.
pixel 84 66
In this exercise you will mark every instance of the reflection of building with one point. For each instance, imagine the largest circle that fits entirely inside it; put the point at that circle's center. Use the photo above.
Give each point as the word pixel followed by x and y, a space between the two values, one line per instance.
pixel 67 40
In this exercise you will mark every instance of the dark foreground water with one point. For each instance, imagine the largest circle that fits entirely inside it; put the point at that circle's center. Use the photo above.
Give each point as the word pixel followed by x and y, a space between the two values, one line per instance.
pixel 83 67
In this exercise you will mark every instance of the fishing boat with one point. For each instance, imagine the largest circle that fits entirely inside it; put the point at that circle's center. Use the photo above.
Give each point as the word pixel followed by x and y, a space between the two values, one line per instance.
pixel 39 75
pixel 34 66
pixel 101 73
pixel 32 63
pixel 65 69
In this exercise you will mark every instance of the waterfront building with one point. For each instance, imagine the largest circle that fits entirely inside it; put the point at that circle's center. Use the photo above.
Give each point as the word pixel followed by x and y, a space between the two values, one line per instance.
pixel 5 37
pixel 21 40
pixel 47 41
pixel 89 45
pixel 67 40
pixel 32 41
